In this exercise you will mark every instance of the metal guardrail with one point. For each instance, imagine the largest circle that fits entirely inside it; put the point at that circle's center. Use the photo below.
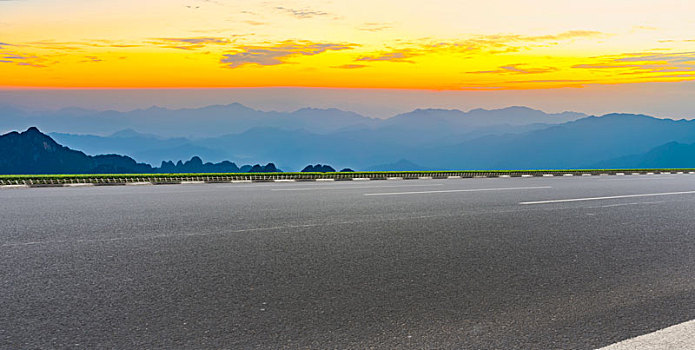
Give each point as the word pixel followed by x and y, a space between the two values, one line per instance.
pixel 124 179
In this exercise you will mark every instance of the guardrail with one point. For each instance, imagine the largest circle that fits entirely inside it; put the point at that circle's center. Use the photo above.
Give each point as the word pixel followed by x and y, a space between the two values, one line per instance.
pixel 157 179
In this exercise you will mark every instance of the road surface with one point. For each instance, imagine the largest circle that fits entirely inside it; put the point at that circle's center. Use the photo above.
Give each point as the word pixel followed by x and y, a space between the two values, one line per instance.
pixel 506 263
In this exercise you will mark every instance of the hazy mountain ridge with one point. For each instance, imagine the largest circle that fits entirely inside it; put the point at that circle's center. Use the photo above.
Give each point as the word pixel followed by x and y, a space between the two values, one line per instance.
pixel 669 155
pixel 217 120
pixel 317 133
pixel 428 139
pixel 207 121
pixel 582 143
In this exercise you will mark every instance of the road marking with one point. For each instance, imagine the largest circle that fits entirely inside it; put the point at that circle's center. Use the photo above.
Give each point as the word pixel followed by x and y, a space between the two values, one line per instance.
pixel 325 180
pixel 360 179
pixel 454 177
pixel 680 336
pixel 607 197
pixel 346 187
pixel 454 191
pixel 284 180
pixel 192 182
pixel 644 178
pixel 79 185
pixel 138 183
pixel 632 203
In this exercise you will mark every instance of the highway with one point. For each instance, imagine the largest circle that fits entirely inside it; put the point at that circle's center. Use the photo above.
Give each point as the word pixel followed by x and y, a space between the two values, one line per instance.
pixel 503 263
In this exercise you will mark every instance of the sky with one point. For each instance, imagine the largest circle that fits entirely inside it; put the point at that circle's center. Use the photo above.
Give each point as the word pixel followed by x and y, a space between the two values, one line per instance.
pixel 550 54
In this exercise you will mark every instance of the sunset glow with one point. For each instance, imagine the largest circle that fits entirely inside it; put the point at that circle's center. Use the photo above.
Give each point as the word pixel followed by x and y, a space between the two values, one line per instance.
pixel 437 45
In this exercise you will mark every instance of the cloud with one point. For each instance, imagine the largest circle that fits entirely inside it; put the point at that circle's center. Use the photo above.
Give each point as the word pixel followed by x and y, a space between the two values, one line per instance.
pixel 350 66
pixel 490 44
pixel 190 43
pixel 374 27
pixel 498 40
pixel 516 69
pixel 660 57
pixel 272 55
pixel 78 45
pixel 548 81
pixel 572 34
pixel 514 42
pixel 650 28
pixel 302 14
pixel 54 45
pixel 644 63
pixel 22 59
pixel 395 56
pixel 255 23
pixel 30 64
pixel 92 59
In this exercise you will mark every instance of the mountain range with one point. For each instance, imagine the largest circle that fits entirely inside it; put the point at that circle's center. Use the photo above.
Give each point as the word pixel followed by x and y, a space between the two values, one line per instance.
pixel 219 120
pixel 32 152
pixel 509 138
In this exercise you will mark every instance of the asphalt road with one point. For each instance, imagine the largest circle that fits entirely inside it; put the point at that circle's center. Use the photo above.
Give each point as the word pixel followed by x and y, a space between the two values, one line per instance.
pixel 518 263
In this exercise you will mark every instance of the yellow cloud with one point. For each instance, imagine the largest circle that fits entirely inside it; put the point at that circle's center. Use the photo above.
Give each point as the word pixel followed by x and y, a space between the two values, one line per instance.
pixel 644 63
pixel 396 56
pixel 270 55
pixel 516 69
pixel 190 43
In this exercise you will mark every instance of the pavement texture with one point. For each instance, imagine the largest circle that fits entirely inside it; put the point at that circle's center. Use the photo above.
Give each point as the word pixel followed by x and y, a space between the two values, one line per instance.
pixel 464 264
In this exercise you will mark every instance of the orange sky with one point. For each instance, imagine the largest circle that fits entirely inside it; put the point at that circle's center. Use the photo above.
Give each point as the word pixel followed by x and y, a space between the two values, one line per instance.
pixel 444 45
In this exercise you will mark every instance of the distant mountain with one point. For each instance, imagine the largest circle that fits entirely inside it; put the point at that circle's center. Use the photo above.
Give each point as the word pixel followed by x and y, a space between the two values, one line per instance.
pixel 196 165
pixel 581 143
pixel 219 120
pixel 510 138
pixel 401 165
pixel 318 168
pixel 578 144
pixel 32 152
pixel 296 138
pixel 428 119
pixel 143 147
pixel 357 147
pixel 670 155
pixel 190 122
